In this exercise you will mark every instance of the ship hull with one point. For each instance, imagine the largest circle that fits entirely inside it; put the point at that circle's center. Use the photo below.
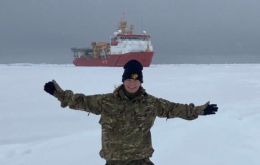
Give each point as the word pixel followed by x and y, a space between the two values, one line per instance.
pixel 117 60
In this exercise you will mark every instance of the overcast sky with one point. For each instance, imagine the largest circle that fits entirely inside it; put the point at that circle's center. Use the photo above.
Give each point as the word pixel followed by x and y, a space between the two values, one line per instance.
pixel 45 30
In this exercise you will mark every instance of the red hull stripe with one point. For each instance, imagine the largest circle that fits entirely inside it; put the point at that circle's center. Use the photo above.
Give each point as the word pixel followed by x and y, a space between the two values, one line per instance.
pixel 116 60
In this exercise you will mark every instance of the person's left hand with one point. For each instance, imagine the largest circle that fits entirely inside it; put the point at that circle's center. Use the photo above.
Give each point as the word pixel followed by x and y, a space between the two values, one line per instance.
pixel 210 109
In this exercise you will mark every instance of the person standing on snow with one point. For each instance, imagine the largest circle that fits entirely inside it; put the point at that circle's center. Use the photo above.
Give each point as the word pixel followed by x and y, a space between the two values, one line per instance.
pixel 127 115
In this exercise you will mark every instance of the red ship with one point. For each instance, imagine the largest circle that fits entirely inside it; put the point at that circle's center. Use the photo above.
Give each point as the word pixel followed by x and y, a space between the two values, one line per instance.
pixel 124 46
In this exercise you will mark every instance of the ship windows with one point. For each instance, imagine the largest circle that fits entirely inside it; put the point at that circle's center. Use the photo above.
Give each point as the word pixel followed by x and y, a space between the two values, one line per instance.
pixel 133 38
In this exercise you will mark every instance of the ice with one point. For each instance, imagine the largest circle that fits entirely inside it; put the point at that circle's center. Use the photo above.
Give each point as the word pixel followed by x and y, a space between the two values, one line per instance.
pixel 36 130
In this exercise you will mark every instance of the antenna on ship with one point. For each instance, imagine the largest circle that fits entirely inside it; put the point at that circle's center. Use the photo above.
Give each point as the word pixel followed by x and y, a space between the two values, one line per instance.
pixel 123 24
pixel 131 29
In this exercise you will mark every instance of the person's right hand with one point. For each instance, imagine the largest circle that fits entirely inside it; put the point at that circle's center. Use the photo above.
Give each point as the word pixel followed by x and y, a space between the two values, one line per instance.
pixel 50 88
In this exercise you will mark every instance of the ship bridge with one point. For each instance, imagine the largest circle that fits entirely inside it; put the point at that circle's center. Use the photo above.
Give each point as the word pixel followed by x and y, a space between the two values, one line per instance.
pixel 125 43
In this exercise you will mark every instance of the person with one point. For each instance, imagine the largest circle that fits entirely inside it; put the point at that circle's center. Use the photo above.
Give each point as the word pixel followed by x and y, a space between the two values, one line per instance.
pixel 127 115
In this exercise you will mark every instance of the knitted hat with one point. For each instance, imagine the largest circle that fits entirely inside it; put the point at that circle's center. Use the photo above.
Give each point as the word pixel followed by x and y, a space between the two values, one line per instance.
pixel 133 70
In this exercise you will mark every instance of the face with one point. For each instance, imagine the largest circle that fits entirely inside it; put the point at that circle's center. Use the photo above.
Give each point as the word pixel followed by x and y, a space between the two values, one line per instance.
pixel 131 85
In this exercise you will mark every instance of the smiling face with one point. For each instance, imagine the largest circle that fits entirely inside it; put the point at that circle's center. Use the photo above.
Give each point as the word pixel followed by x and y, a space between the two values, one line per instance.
pixel 132 85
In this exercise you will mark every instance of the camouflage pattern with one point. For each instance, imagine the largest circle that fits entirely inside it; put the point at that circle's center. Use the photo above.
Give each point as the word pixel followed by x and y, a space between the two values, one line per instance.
pixel 130 162
pixel 125 122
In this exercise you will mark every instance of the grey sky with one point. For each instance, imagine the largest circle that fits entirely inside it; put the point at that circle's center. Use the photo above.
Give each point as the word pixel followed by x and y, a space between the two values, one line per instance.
pixel 45 30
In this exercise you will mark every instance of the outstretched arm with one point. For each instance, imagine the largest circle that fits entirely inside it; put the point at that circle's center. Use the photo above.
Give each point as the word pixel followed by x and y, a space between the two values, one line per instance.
pixel 75 101
pixel 169 109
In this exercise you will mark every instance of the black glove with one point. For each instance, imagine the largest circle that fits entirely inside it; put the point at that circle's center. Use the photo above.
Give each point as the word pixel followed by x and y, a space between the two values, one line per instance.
pixel 49 87
pixel 210 109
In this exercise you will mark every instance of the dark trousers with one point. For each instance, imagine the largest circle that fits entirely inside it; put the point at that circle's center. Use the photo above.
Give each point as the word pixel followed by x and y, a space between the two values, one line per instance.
pixel 130 162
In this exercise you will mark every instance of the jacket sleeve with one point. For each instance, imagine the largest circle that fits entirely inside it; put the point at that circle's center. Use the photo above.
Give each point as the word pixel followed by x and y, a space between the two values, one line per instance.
pixel 165 108
pixel 81 102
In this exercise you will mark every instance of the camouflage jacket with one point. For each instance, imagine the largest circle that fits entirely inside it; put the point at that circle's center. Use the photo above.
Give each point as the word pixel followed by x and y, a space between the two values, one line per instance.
pixel 125 122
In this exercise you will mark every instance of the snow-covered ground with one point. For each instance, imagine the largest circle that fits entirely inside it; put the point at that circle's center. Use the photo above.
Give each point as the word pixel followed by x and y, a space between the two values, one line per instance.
pixel 35 130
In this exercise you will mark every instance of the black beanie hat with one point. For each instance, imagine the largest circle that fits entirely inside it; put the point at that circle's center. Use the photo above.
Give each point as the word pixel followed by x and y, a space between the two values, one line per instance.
pixel 133 70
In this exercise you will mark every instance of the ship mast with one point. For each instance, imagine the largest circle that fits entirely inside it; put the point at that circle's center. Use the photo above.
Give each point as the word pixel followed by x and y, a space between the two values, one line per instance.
pixel 123 26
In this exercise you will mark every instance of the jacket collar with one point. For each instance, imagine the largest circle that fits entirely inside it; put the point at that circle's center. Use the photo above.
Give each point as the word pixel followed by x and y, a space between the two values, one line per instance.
pixel 121 93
